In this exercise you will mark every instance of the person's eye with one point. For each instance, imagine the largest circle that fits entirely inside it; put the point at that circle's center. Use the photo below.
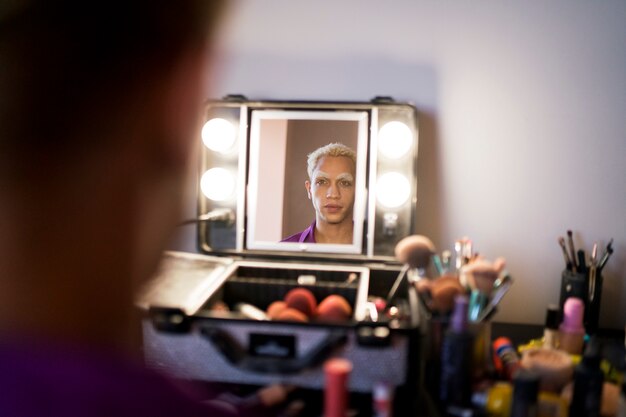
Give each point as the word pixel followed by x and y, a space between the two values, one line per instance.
pixel 320 182
pixel 346 183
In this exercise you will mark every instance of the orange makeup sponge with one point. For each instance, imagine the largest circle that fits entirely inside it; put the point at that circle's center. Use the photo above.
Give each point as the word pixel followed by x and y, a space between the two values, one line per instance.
pixel 302 300
pixel 274 309
pixel 334 308
pixel 291 314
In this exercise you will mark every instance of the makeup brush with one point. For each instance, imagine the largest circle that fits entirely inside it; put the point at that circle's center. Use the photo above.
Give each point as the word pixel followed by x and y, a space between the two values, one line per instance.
pixel 500 288
pixel 593 264
pixel 568 262
pixel 572 250
pixel 446 256
pixel 605 255
pixel 481 275
pixel 415 252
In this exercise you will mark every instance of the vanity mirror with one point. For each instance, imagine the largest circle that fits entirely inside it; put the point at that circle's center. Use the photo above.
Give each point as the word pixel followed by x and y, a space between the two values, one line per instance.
pixel 256 308
pixel 254 170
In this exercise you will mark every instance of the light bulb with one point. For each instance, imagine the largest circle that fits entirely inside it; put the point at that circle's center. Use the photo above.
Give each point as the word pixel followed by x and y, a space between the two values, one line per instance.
pixel 218 135
pixel 218 184
pixel 394 139
pixel 392 189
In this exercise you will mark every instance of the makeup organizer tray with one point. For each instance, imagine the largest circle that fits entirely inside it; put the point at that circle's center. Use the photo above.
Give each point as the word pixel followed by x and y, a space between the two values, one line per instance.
pixel 200 342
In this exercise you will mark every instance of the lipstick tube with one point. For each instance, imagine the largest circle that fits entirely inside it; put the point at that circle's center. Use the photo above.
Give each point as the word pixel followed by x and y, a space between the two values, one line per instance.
pixel 337 372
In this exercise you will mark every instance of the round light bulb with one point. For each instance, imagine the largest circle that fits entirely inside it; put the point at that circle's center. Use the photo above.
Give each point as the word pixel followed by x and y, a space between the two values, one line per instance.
pixel 392 189
pixel 218 184
pixel 218 135
pixel 394 139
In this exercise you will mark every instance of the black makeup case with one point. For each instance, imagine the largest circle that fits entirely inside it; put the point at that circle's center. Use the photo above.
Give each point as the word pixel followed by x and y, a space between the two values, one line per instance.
pixel 201 310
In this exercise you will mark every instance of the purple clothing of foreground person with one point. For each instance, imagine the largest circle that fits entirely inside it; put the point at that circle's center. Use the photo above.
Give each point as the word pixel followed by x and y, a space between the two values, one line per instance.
pixel 306 236
pixel 55 380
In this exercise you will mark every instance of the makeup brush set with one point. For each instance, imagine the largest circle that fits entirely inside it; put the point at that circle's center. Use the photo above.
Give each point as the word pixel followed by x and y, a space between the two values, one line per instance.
pixel 484 282
pixel 582 278
pixel 460 300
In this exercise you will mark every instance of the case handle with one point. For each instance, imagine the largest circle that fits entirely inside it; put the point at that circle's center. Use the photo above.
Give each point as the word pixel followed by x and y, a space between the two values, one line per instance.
pixel 232 350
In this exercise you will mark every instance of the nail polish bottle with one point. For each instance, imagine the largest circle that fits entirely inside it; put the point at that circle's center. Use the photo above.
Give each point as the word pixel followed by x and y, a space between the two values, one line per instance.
pixel 572 331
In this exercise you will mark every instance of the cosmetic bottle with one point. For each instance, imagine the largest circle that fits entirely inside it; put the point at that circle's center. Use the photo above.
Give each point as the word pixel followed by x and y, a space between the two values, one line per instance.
pixel 551 331
pixel 588 382
pixel 505 357
pixel 336 372
pixel 457 358
pixel 551 404
pixel 525 394
pixel 571 330
pixel 495 401
pixel 382 400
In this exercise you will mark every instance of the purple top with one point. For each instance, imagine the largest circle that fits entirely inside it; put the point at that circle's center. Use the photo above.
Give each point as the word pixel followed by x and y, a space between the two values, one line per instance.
pixel 306 236
pixel 40 378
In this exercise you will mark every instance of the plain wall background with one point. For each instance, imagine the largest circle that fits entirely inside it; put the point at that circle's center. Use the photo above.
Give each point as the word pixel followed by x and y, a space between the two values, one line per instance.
pixel 522 110
pixel 272 165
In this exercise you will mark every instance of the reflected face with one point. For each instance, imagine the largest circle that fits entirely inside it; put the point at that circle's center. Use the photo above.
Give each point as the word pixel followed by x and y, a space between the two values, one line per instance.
pixel 331 189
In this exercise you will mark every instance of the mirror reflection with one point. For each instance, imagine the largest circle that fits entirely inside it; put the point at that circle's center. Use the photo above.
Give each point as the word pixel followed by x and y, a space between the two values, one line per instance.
pixel 330 186
pixel 306 182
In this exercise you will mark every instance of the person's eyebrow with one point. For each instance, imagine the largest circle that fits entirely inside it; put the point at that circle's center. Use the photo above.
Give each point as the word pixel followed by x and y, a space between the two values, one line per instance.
pixel 345 176
pixel 321 175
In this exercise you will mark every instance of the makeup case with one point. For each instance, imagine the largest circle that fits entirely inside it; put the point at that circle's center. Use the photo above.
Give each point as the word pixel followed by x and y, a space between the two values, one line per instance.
pixel 203 315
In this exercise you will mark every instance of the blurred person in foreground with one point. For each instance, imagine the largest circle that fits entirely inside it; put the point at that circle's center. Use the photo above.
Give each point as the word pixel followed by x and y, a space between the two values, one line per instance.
pixel 98 106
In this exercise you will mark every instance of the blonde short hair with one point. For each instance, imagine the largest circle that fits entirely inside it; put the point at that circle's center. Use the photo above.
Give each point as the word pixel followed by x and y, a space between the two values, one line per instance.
pixel 332 149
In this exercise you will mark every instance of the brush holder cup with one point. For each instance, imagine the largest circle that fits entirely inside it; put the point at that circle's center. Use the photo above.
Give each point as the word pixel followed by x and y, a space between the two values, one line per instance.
pixel 582 285
pixel 481 353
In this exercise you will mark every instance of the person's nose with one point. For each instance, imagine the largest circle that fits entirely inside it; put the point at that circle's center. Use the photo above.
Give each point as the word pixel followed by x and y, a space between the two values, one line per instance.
pixel 333 191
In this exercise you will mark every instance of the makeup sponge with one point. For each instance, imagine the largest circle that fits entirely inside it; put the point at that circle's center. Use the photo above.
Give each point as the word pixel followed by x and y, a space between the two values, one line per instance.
pixel 274 309
pixel 334 308
pixel 302 300
pixel 291 314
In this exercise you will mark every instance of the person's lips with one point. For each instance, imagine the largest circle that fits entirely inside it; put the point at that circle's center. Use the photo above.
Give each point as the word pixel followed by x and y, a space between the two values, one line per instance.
pixel 333 208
